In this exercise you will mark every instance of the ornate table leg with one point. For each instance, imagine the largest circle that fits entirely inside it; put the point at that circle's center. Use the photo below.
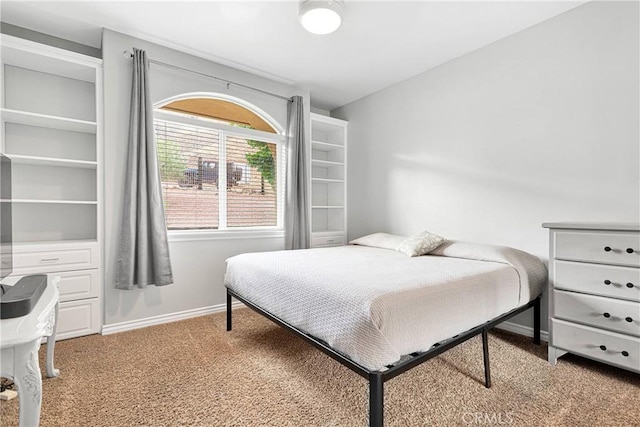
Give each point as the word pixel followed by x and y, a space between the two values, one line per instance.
pixel 28 378
pixel 51 342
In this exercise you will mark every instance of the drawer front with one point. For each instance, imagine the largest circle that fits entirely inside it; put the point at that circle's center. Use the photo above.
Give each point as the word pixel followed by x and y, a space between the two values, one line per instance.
pixel 30 260
pixel 601 312
pixel 592 247
pixel 77 318
pixel 75 285
pixel 322 241
pixel 586 341
pixel 605 280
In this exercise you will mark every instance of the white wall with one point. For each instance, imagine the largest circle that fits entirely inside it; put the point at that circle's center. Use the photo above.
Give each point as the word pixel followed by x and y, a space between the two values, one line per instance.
pixel 198 266
pixel 540 126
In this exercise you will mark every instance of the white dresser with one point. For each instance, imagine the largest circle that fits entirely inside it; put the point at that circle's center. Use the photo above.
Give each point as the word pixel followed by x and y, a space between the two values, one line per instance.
pixel 594 292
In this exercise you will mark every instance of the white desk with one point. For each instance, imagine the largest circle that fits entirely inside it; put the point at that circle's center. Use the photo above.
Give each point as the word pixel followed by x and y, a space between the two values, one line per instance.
pixel 20 339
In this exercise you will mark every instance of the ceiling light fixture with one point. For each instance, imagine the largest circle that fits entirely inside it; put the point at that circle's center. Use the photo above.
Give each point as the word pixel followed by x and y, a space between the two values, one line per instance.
pixel 321 16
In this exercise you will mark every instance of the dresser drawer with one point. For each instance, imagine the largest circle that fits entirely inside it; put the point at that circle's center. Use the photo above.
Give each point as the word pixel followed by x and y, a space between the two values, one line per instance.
pixel 333 240
pixel 75 285
pixel 605 280
pixel 78 318
pixel 587 341
pixel 600 247
pixel 31 259
pixel 601 312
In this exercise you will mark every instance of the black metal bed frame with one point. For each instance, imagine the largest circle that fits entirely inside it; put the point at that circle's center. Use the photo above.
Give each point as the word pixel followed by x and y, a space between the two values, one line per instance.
pixel 378 378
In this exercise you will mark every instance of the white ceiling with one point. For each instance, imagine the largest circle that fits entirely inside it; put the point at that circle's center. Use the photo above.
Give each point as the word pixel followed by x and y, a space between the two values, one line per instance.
pixel 379 43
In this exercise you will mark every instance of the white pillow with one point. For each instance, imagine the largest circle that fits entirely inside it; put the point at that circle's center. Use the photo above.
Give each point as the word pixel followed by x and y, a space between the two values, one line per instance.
pixel 420 244
pixel 379 240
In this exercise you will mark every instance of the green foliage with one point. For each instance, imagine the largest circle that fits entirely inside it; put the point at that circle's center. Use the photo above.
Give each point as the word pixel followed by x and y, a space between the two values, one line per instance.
pixel 262 160
pixel 172 166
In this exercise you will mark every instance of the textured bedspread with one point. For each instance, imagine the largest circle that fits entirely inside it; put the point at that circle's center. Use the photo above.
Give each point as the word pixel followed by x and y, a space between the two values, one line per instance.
pixel 375 305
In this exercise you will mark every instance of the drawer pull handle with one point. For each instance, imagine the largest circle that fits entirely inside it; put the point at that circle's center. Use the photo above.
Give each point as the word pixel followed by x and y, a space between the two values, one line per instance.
pixel 625 353
pixel 607 282
pixel 49 259
pixel 629 285
pixel 603 348
pixel 628 319
pixel 630 250
pixel 607 315
pixel 607 249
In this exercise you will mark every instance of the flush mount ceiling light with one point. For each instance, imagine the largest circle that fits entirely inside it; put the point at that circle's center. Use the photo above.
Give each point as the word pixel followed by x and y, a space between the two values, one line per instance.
pixel 321 16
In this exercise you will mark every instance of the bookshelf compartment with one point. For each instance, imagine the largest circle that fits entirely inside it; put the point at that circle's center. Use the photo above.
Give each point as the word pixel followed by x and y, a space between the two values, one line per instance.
pixel 39 141
pixel 48 94
pixel 328 133
pixel 321 153
pixel 41 182
pixel 327 194
pixel 327 220
pixel 61 63
pixel 37 222
pixel 322 170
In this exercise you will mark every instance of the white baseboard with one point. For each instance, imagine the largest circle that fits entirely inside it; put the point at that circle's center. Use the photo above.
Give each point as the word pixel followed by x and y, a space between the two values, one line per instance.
pixel 166 318
pixel 527 331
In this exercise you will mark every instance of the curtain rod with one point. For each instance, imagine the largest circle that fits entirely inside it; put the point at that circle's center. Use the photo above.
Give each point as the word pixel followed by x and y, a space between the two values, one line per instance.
pixel 129 55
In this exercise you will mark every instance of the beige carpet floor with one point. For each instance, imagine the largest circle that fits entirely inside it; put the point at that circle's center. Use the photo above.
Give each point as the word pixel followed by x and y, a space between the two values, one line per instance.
pixel 194 373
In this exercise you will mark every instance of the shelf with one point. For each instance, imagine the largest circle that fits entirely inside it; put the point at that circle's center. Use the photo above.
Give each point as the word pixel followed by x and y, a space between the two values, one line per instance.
pixel 47 121
pixel 51 161
pixel 325 163
pixel 55 202
pixel 328 124
pixel 20 245
pixel 328 233
pixel 327 180
pixel 47 59
pixel 325 146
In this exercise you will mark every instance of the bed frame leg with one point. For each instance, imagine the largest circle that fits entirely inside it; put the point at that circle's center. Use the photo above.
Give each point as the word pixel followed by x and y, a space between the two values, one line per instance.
pixel 485 352
pixel 228 311
pixel 536 321
pixel 376 400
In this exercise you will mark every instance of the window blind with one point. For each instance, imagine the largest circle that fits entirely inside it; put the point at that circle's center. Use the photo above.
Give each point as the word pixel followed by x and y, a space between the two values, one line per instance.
pixel 192 161
pixel 252 167
pixel 188 157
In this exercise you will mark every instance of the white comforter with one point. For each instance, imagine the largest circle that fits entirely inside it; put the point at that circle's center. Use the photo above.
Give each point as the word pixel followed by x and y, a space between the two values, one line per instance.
pixel 376 305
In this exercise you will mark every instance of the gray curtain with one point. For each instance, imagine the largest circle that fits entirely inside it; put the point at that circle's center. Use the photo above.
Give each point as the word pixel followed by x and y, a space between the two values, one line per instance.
pixel 296 209
pixel 143 250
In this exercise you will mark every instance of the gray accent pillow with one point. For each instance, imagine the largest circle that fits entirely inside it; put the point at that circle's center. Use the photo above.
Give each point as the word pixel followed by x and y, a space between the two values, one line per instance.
pixel 420 244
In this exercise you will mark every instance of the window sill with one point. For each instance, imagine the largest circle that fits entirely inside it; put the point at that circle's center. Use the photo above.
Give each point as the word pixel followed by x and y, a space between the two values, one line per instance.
pixel 190 236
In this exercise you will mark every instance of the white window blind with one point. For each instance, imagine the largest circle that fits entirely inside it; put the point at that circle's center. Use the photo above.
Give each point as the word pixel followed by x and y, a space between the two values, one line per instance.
pixel 252 167
pixel 188 157
pixel 192 160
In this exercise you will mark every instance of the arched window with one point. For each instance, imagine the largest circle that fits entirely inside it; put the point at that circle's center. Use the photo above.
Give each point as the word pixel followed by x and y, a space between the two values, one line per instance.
pixel 221 164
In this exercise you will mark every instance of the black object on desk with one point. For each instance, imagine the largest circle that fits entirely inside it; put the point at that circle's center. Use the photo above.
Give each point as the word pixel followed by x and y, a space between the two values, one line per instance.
pixel 19 299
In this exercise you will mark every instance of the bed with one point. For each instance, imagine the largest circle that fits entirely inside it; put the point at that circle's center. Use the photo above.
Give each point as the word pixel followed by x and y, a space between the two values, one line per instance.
pixel 381 312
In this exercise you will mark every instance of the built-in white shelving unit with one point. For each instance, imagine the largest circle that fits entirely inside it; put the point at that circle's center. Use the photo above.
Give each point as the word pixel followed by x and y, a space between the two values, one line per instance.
pixel 328 181
pixel 50 118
